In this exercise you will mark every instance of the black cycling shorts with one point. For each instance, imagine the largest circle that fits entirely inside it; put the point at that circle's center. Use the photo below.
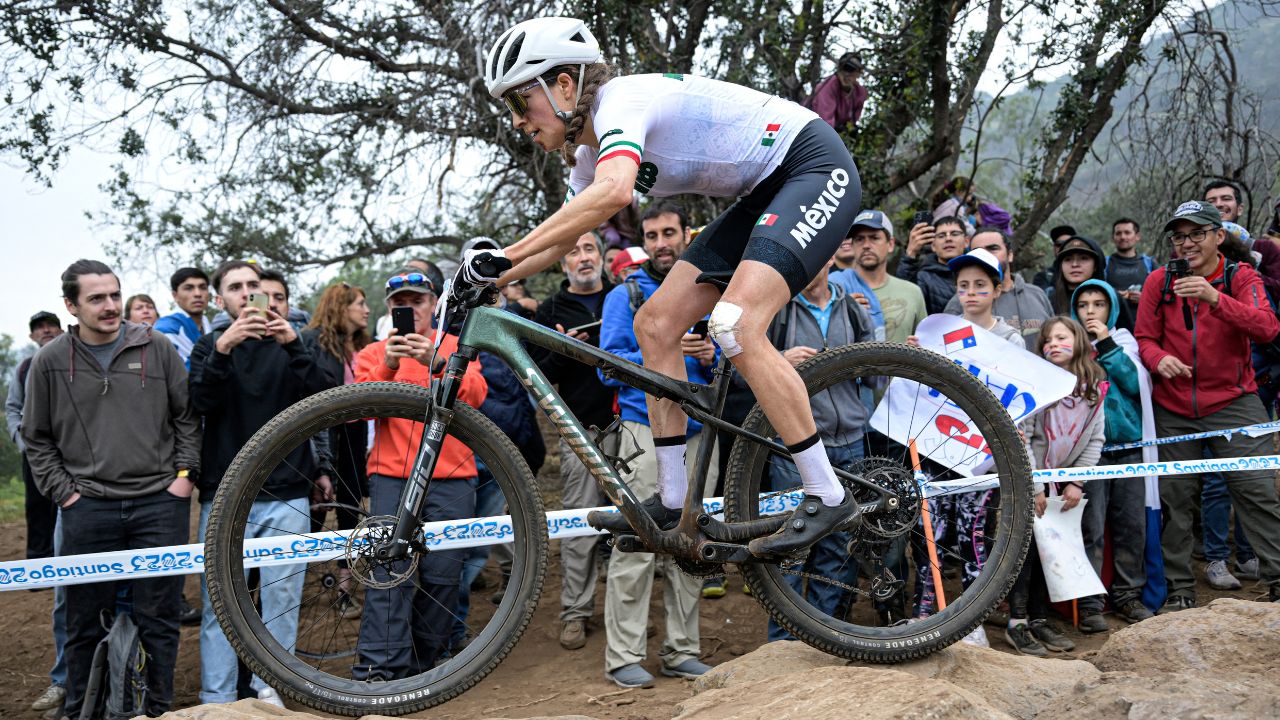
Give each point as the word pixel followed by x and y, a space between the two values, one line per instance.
pixel 795 219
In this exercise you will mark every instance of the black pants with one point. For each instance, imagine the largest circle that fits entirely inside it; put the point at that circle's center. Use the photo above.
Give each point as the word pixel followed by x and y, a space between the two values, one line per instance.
pixel 93 525
pixel 1029 596
pixel 42 515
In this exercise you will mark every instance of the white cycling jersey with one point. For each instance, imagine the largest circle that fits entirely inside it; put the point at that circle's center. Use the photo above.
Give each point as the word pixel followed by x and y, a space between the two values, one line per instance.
pixel 689 134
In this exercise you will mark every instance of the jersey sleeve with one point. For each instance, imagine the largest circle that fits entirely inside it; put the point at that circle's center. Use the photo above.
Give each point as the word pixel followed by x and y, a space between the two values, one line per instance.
pixel 582 174
pixel 620 121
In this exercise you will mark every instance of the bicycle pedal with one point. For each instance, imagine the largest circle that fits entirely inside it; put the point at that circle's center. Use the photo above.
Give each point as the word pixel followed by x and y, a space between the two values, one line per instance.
pixel 795 561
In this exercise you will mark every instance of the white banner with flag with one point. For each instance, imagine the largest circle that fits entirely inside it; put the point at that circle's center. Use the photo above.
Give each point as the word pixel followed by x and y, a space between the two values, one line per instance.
pixel 1023 383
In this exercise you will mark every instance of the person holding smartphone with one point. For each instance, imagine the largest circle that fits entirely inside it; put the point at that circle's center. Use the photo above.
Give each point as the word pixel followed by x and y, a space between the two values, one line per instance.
pixel 930 246
pixel 250 368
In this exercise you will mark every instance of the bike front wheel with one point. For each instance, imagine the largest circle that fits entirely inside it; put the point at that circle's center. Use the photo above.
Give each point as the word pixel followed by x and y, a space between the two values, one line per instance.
pixel 884 592
pixel 325 622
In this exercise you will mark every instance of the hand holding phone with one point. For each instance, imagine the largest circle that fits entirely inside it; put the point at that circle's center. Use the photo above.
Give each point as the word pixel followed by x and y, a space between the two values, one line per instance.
pixel 700 328
pixel 584 328
pixel 259 301
pixel 402 320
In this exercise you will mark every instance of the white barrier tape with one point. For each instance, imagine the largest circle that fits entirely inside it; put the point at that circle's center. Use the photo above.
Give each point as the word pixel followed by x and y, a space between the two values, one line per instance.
pixel 475 532
pixel 310 547
pixel 1265 428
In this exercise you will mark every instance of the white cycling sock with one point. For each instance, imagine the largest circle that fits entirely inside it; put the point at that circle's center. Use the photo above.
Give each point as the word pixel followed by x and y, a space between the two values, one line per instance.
pixel 672 478
pixel 816 474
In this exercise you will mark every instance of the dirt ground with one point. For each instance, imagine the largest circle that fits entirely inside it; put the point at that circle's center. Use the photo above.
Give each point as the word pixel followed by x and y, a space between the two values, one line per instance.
pixel 538 678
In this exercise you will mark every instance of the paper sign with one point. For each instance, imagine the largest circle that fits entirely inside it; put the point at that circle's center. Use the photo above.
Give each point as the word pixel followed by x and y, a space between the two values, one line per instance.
pixel 1023 383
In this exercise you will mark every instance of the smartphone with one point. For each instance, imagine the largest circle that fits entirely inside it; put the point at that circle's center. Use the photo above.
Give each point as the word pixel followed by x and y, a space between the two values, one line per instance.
pixel 584 328
pixel 922 217
pixel 260 301
pixel 700 328
pixel 402 321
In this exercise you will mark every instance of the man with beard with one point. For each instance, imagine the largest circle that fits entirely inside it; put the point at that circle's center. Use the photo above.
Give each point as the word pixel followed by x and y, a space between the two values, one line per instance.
pixel 871 243
pixel 576 311
pixel 844 274
pixel 91 394
pixel 1126 269
pixel 665 229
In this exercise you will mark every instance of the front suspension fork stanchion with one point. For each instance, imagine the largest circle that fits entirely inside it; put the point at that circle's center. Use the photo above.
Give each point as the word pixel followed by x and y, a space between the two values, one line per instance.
pixel 415 491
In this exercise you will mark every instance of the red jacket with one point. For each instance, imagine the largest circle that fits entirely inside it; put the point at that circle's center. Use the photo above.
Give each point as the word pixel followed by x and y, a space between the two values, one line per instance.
pixel 1216 348
pixel 396 441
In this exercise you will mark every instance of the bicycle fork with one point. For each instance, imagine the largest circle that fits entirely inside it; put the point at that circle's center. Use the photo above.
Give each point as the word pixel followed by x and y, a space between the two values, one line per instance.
pixel 409 508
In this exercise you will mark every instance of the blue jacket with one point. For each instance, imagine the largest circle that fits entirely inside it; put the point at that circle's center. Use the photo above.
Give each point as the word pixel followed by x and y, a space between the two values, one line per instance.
pixel 618 336
pixel 852 283
pixel 182 332
pixel 1123 405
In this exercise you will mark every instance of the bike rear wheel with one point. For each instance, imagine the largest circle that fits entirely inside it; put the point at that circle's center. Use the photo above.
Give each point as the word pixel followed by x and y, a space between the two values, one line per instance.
pixel 339 637
pixel 822 602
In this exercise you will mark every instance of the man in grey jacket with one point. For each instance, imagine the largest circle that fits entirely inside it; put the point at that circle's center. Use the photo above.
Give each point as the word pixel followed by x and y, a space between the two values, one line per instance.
pixel 822 317
pixel 111 439
pixel 41 513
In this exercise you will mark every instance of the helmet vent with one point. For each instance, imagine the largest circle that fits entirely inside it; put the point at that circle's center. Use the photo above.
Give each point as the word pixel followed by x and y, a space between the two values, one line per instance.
pixel 493 66
pixel 512 53
pixel 577 37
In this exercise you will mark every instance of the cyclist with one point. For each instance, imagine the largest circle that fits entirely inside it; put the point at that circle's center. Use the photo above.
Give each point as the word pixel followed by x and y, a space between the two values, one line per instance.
pixel 797 192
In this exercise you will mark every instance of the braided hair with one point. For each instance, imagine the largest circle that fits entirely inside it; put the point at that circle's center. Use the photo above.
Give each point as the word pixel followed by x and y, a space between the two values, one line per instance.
pixel 593 77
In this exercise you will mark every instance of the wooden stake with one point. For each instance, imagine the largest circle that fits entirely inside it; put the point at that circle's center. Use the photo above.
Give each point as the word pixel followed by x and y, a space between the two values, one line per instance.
pixel 928 534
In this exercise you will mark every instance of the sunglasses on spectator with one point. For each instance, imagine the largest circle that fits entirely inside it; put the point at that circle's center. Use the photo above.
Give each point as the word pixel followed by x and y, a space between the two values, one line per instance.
pixel 516 100
pixel 400 282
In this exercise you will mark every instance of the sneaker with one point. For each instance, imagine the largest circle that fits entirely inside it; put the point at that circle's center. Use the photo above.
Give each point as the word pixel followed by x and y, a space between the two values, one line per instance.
pixel 977 638
pixel 187 615
pixel 1176 603
pixel 713 588
pixel 496 598
pixel 573 635
pixel 1219 577
pixel 1247 570
pixel 665 517
pixel 809 523
pixel 688 669
pixel 270 697
pixel 1274 594
pixel 51 698
pixel 1134 611
pixel 1092 622
pixel 630 676
pixel 348 607
pixel 1051 637
pixel 1020 638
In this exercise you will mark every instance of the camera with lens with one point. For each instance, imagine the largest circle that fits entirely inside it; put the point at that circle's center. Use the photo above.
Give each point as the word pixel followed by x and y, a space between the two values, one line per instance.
pixel 1178 268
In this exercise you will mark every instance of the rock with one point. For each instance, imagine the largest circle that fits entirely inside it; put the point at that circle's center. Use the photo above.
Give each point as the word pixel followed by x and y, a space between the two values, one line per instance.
pixel 1187 695
pixel 763 664
pixel 258 710
pixel 1227 638
pixel 239 710
pixel 819 693
pixel 1017 685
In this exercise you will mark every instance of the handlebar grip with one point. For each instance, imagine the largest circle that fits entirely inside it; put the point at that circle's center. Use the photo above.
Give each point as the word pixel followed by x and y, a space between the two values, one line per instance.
pixel 491 265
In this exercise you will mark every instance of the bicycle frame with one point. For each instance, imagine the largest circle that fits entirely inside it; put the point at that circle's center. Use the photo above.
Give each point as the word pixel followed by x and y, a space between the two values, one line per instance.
pixel 695 537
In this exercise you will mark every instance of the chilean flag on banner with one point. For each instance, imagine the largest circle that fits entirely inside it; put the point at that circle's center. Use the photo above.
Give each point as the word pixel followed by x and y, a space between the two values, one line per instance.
pixel 1155 592
pixel 959 339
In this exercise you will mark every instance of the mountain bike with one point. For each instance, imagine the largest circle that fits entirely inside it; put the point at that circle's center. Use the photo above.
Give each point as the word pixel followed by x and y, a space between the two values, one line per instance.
pixel 399 562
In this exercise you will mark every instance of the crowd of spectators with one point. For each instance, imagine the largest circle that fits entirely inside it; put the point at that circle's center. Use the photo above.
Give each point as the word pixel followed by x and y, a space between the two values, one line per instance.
pixel 1164 349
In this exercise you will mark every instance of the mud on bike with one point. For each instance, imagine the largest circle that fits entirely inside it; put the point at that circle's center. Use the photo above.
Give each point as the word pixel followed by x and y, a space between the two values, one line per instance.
pixel 389 566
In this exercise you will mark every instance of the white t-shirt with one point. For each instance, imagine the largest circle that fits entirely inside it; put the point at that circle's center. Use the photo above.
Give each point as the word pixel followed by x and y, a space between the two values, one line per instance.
pixel 689 134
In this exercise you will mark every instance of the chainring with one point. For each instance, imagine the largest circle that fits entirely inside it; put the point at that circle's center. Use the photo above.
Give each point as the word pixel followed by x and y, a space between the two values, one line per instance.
pixel 699 569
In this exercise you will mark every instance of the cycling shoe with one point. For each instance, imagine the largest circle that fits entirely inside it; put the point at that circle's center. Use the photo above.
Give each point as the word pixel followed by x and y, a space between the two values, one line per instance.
pixel 810 522
pixel 665 517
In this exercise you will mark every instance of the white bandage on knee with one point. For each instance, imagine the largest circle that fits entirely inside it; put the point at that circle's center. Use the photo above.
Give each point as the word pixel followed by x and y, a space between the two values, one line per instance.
pixel 723 327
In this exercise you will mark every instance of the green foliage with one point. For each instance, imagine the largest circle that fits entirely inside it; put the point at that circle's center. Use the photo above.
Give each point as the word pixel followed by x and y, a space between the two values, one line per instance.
pixel 10 458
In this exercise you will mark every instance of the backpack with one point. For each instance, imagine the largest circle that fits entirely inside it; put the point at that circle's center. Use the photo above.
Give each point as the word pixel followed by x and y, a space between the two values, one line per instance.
pixel 1146 262
pixel 1265 354
pixel 117 687
pixel 635 296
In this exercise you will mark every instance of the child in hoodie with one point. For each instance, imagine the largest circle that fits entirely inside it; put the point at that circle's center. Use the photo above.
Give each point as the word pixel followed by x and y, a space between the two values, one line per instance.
pixel 1119 502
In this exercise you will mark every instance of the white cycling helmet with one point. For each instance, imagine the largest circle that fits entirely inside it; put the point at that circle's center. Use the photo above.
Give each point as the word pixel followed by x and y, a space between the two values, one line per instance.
pixel 531 48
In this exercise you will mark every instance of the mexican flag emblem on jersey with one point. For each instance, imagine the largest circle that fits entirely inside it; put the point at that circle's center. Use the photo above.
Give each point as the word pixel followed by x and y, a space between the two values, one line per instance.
pixel 770 134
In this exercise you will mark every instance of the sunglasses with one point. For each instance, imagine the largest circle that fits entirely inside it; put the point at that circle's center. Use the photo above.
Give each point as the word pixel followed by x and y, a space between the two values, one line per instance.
pixel 400 282
pixel 516 100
